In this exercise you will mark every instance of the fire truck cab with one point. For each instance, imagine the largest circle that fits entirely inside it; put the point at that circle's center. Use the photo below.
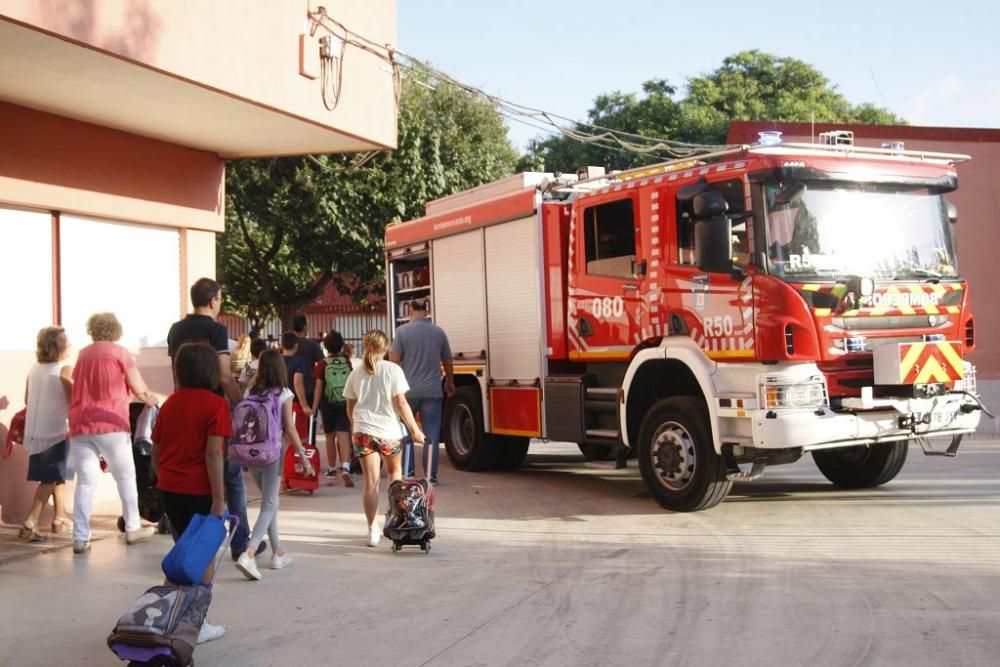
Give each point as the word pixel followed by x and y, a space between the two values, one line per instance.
pixel 709 317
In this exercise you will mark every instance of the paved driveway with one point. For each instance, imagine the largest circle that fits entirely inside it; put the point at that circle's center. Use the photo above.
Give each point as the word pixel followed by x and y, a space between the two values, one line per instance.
pixel 564 564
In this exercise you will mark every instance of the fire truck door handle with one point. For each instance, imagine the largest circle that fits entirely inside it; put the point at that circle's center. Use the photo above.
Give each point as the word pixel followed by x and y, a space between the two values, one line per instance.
pixel 583 327
pixel 630 287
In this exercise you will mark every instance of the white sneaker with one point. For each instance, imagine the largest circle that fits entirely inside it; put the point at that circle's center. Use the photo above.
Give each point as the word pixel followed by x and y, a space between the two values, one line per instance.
pixel 248 566
pixel 278 562
pixel 374 535
pixel 140 534
pixel 209 632
pixel 345 474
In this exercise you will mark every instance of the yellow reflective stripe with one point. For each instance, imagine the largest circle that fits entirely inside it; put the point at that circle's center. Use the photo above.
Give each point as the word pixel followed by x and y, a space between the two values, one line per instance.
pixel 954 358
pixel 910 358
pixel 822 312
pixel 932 371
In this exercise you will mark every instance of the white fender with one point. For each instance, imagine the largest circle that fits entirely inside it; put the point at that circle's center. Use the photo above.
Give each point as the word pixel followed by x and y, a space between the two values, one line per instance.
pixel 686 351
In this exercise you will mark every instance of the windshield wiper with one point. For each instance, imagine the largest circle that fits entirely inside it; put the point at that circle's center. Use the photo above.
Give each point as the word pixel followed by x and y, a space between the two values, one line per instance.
pixel 931 275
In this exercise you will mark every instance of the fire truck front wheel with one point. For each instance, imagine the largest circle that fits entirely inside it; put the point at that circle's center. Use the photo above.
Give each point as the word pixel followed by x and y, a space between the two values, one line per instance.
pixel 677 459
pixel 469 446
pixel 862 467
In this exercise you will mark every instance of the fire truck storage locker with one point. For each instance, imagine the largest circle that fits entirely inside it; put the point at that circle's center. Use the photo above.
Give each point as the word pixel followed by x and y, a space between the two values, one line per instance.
pixel 459 288
pixel 409 279
pixel 515 327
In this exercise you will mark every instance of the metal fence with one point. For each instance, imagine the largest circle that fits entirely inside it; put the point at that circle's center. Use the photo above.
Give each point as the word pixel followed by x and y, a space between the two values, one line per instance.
pixel 352 326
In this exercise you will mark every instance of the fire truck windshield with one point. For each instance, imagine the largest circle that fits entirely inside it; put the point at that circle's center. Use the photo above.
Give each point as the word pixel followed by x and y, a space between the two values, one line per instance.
pixel 823 231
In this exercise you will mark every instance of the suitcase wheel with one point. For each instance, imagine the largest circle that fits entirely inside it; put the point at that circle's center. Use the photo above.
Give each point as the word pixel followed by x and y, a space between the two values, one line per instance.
pixel 121 524
pixel 163 525
pixel 396 546
pixel 425 546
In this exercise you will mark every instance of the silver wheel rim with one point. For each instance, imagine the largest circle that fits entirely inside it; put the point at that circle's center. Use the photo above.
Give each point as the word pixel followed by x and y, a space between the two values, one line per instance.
pixel 672 456
pixel 463 430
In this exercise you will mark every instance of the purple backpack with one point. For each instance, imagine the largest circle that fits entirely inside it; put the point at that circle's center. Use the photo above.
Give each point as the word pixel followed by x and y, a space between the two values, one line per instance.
pixel 257 430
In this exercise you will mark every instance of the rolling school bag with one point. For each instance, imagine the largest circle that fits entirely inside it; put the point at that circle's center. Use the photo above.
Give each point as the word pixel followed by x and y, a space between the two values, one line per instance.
pixel 162 626
pixel 410 519
pixel 294 472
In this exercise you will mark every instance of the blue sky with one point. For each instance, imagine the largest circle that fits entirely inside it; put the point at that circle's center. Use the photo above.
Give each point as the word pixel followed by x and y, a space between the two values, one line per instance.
pixel 932 63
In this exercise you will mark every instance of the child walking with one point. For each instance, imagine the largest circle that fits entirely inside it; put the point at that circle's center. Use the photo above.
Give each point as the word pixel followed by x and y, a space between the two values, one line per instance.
pixel 188 440
pixel 271 379
pixel 376 394
pixel 328 399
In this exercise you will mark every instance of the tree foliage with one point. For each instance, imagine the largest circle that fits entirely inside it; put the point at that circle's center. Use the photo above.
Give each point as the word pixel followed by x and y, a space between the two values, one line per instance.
pixel 295 224
pixel 750 85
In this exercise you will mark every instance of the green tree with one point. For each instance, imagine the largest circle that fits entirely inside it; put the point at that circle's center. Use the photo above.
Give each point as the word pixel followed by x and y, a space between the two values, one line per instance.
pixel 295 224
pixel 750 85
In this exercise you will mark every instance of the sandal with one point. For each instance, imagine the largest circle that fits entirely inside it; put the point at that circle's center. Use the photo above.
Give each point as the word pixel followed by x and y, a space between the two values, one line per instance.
pixel 61 525
pixel 29 534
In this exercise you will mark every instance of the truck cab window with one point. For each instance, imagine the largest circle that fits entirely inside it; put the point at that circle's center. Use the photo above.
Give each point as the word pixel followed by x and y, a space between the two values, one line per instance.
pixel 609 237
pixel 733 192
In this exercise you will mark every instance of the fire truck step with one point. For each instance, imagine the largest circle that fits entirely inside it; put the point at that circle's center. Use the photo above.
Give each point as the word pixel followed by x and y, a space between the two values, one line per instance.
pixel 607 394
pixel 601 434
pixel 603 407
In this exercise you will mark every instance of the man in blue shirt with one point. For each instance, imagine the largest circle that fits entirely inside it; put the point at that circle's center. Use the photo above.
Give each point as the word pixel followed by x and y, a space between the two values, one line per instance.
pixel 421 348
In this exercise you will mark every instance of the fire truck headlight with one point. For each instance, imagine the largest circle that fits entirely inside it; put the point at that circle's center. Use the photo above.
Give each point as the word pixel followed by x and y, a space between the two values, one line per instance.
pixel 808 394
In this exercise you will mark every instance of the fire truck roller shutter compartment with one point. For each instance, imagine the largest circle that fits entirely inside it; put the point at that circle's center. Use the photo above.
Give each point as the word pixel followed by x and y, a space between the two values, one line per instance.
pixel 514 317
pixel 460 291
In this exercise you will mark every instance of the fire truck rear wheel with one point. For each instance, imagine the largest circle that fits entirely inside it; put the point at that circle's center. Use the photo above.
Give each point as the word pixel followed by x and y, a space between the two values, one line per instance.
pixel 469 447
pixel 677 458
pixel 513 450
pixel 862 467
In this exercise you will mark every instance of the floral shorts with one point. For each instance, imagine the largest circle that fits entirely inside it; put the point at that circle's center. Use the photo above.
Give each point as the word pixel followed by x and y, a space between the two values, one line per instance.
pixel 365 444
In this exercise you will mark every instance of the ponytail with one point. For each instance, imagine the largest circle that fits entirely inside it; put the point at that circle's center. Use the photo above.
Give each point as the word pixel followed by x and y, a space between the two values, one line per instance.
pixel 376 344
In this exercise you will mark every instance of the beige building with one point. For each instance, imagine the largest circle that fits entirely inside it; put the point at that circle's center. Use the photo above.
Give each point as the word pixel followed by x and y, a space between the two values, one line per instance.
pixel 116 118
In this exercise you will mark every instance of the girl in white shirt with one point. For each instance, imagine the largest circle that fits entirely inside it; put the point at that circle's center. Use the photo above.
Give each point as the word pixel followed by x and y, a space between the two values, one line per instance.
pixel 376 399
pixel 47 395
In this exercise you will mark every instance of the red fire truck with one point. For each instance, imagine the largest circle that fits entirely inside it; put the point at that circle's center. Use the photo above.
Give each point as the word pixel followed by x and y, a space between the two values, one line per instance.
pixel 708 317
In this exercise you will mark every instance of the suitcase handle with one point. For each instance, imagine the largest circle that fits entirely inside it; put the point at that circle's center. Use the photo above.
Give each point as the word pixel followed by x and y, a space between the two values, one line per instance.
pixel 234 521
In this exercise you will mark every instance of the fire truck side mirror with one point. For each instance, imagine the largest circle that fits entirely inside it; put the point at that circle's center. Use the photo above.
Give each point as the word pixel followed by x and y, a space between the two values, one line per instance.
pixel 952 212
pixel 713 232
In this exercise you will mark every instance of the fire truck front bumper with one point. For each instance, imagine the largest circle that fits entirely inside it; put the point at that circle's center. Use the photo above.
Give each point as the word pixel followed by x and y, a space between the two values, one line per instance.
pixel 884 420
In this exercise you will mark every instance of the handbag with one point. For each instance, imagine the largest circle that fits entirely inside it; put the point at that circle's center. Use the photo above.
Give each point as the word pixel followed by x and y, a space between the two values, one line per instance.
pixel 15 434
pixel 186 562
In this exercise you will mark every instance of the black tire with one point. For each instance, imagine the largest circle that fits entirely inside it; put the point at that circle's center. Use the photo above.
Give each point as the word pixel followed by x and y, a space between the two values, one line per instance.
pixel 513 450
pixel 597 452
pixel 677 458
pixel 862 467
pixel 468 445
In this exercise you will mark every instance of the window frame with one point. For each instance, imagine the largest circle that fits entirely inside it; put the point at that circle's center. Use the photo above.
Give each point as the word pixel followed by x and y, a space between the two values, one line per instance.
pixel 585 227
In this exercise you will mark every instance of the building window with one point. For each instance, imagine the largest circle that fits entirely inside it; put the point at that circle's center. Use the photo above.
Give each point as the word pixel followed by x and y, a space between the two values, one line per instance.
pixel 130 270
pixel 609 235
pixel 26 276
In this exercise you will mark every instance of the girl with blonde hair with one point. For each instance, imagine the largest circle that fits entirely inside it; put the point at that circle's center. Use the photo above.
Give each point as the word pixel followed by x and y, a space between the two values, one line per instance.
pixel 376 399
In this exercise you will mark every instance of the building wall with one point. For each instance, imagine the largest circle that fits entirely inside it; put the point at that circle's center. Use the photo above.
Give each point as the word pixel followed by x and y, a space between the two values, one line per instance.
pixel 245 48
pixel 94 219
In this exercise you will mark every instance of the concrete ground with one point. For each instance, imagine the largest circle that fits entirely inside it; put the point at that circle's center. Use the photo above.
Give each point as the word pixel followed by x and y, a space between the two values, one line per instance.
pixel 562 563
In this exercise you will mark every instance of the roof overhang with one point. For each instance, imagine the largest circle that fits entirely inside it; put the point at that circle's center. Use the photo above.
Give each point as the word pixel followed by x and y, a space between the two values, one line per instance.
pixel 53 74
